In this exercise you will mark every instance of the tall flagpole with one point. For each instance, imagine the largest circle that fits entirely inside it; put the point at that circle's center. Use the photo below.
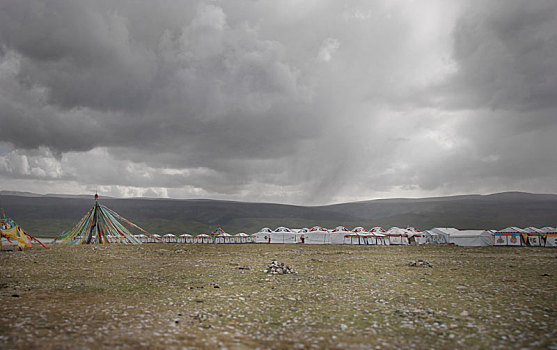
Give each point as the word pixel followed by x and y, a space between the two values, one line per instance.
pixel 94 225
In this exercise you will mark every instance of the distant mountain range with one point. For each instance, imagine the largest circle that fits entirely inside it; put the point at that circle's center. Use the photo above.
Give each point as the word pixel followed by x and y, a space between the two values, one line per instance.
pixel 48 215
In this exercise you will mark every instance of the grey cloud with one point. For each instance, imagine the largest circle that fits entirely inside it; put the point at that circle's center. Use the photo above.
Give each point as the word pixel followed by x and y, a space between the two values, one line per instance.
pixel 306 103
pixel 506 54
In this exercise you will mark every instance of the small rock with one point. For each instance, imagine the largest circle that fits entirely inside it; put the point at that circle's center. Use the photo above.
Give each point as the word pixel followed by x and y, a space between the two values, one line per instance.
pixel 420 263
pixel 276 268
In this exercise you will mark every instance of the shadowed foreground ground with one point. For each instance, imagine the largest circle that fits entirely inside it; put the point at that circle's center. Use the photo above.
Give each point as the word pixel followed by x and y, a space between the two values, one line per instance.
pixel 215 296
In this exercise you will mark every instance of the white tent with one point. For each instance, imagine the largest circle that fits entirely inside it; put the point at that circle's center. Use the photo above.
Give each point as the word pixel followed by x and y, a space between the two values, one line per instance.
pixel 222 238
pixel 228 238
pixel 338 233
pixel 169 238
pixel 204 238
pixel 242 238
pixel 533 236
pixel 510 236
pixel 155 238
pixel 186 238
pixel 283 235
pixel 440 235
pixel 300 234
pixel 380 237
pixel 317 236
pixel 366 237
pixel 370 238
pixel 356 236
pixel 472 238
pixel 397 236
pixel 415 236
pixel 550 236
pixel 263 236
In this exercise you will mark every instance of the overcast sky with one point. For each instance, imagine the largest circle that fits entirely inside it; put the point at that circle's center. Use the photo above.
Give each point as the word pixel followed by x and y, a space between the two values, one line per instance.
pixel 304 102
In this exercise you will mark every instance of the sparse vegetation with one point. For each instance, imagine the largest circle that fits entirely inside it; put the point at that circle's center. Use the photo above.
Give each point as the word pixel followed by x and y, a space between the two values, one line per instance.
pixel 209 296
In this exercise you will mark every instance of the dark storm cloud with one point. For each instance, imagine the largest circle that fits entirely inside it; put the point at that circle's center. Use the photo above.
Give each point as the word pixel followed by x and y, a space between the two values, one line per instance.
pixel 203 79
pixel 506 54
pixel 301 102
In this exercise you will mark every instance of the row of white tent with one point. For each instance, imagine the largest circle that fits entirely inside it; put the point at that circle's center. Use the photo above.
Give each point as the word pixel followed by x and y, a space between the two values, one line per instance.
pixel 511 236
pixel 202 238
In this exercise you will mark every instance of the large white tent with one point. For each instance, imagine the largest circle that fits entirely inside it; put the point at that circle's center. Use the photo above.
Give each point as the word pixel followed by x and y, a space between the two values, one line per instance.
pixel 317 235
pixel 397 236
pixel 472 238
pixel 380 237
pixel 416 236
pixel 283 235
pixel 338 233
pixel 356 236
pixel 263 236
pixel 300 234
pixel 440 235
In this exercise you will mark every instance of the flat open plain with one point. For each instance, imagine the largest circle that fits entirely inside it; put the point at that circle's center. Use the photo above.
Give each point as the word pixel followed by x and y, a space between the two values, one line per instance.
pixel 217 296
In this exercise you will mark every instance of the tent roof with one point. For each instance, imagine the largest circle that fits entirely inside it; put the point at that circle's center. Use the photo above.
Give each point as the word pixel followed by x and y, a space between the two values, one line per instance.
pixel 282 229
pixel 511 229
pixel 443 230
pixel 470 233
pixel 396 231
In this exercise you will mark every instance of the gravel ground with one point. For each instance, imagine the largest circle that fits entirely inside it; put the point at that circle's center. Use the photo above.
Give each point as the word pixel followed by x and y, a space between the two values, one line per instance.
pixel 217 296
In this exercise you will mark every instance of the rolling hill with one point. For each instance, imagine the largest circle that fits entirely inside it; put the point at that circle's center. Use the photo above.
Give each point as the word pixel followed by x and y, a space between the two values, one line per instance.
pixel 48 215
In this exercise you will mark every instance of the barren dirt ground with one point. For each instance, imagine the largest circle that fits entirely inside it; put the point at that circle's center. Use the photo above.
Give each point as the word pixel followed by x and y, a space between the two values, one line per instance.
pixel 217 296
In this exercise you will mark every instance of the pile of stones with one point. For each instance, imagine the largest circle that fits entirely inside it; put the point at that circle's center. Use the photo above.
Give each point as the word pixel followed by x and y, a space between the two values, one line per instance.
pixel 276 268
pixel 420 263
